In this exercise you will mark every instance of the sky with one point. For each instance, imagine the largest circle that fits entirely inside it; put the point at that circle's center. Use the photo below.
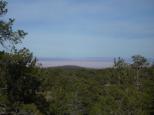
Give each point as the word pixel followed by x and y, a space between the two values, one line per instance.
pixel 85 28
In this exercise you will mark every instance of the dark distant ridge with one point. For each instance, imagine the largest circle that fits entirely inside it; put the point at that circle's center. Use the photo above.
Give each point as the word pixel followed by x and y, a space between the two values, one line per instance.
pixel 68 67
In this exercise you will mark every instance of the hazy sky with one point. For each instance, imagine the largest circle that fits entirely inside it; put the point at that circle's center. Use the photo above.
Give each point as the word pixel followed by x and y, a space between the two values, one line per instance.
pixel 85 28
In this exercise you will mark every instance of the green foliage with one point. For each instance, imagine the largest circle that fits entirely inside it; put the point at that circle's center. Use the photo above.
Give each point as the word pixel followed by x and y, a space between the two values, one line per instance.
pixel 7 35
pixel 139 61
pixel 120 63
pixel 29 90
pixel 19 84
pixel 98 92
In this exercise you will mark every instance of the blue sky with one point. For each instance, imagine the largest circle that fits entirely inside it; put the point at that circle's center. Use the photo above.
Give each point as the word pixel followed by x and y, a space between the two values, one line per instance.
pixel 85 28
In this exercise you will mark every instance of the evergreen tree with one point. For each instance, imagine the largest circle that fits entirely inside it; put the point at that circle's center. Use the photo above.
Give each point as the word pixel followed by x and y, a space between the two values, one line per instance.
pixel 19 84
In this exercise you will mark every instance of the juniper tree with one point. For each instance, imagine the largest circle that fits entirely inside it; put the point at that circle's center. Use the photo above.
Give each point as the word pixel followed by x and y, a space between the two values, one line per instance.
pixel 19 84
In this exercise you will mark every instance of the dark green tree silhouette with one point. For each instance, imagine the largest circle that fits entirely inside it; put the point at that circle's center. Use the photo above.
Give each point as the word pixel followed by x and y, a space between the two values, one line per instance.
pixel 7 34
pixel 120 63
pixel 139 62
pixel 19 84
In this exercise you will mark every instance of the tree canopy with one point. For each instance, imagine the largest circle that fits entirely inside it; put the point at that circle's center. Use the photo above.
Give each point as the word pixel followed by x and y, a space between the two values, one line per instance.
pixel 19 84
pixel 26 89
pixel 7 35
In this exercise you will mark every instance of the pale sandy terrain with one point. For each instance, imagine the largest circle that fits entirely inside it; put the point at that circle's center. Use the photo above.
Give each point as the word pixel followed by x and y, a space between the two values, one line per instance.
pixel 82 63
